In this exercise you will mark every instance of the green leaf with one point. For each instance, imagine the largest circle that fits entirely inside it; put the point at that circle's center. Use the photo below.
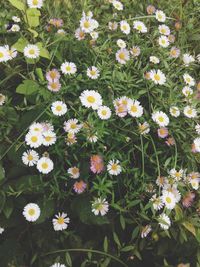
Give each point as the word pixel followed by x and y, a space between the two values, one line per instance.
pixel 47 209
pixel 20 45
pixel 8 208
pixel 18 4
pixel 2 200
pixel 127 248
pixel 43 51
pixel 122 222
pixel 190 227
pixel 28 87
pixel 105 244
pixel 68 259
pixel 35 34
pixel 33 16
pixel 2 173
pixel 116 239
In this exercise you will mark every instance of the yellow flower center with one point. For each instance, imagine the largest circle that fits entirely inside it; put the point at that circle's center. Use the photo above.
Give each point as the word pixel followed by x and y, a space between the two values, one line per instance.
pixel 60 220
pixel 92 72
pixel 34 139
pixel 1 54
pixel 103 112
pixel 134 109
pixel 35 2
pixel 114 167
pixel 190 111
pixel 54 86
pixel 73 126
pixel 31 212
pixel 157 77
pixel 68 68
pixel 31 51
pixel 139 27
pixel 161 119
pixel 75 170
pixel 168 200
pixel 122 55
pixel 91 99
pixel 59 108
pixel 48 138
pixel 30 157
pixel 44 165
pixel 86 24
pixel 124 27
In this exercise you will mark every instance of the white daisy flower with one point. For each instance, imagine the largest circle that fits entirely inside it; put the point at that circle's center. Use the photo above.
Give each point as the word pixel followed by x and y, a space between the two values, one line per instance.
pixel 188 59
pixel 164 221
pixel 125 27
pixel 174 111
pixel 190 112
pixel 195 184
pixel 72 126
pixel 160 16
pixel 30 157
pixel 35 3
pixel 49 138
pixel 160 118
pixel 74 172
pixel 60 222
pixel 121 43
pixel 91 98
pixel 118 5
pixel 94 35
pixel 100 206
pixel 139 26
pixel 14 28
pixel 154 59
pixel 157 202
pixel 164 29
pixel 68 68
pixel 31 212
pixel 158 77
pixel 58 265
pixel 36 127
pixel 45 165
pixel 88 25
pixel 144 128
pixel 134 108
pixel 16 19
pixel 112 26
pixel 93 72
pixel 135 51
pixel 163 41
pixel 122 56
pixel 197 128
pixel 79 34
pixel 187 91
pixel 1 230
pixel 4 54
pixel 33 139
pixel 58 108
pixel 11 51
pixel 114 167
pixel 31 51
pixel 92 138
pixel 2 99
pixel 197 144
pixel 104 112
pixel 168 200
pixel 188 79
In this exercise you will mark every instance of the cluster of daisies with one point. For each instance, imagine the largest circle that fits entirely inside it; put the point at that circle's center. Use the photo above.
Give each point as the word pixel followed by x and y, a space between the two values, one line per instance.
pixel 40 134
pixel 173 189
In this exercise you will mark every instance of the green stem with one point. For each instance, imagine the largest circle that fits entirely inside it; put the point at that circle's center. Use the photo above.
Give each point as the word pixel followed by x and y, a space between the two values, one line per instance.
pixel 142 148
pixel 86 250
pixel 157 160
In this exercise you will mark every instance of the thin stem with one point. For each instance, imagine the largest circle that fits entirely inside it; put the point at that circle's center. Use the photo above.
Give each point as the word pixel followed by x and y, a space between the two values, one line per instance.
pixel 157 160
pixel 144 17
pixel 142 148
pixel 87 250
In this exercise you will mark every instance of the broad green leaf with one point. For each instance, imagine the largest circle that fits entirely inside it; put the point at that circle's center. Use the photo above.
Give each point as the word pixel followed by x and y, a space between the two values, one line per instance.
pixel 47 209
pixel 33 16
pixel 43 51
pixel 19 4
pixel 28 87
pixel 190 227
pixel 20 44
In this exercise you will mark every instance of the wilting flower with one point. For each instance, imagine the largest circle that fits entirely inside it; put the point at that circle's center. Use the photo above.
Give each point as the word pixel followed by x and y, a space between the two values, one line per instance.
pixel 188 199
pixel 163 132
pixel 96 164
pixel 79 187
pixel 145 231
pixel 164 221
